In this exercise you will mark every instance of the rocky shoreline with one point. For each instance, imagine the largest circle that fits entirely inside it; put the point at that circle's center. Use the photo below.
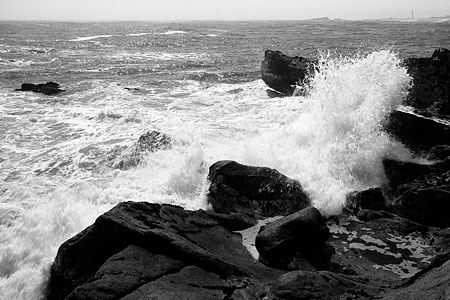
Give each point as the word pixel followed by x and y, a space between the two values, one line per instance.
pixel 390 242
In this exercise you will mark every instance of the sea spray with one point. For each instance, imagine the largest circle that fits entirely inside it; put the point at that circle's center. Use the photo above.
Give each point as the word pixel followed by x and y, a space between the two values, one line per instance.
pixel 336 145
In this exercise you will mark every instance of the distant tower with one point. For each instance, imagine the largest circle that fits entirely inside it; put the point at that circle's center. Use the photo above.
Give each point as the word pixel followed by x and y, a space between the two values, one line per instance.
pixel 412 14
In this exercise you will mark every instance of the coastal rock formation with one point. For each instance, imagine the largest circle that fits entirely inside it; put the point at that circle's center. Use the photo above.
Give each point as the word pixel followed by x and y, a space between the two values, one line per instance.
pixel 429 93
pixel 431 82
pixel 49 88
pixel 282 73
pixel 141 250
pixel 259 191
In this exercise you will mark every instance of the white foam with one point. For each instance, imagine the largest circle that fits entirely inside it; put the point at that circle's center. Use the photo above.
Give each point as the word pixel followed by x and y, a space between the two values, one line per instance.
pixel 336 145
pixel 92 37
pixel 140 34
pixel 170 32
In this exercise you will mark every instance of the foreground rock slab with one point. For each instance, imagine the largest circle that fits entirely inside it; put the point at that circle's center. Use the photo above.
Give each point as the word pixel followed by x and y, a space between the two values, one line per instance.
pixel 141 248
pixel 259 191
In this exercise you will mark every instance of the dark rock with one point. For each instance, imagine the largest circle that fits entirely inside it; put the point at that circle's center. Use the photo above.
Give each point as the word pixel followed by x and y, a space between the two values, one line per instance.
pixel 434 284
pixel 254 190
pixel 420 192
pixel 140 233
pixel 141 250
pixel 282 72
pixel 422 135
pixel 192 283
pixel 49 88
pixel 293 240
pixel 125 272
pixel 323 285
pixel 372 199
pixel 384 251
pixel 151 141
pixel 431 82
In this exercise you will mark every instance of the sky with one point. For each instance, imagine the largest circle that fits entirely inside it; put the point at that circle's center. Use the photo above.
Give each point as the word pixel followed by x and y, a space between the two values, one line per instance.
pixel 164 10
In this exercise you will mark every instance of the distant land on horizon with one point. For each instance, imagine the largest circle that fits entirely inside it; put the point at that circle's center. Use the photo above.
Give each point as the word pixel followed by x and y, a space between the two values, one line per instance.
pixel 429 19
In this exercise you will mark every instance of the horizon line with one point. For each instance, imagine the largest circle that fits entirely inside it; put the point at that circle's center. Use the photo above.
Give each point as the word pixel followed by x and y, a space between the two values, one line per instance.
pixel 215 20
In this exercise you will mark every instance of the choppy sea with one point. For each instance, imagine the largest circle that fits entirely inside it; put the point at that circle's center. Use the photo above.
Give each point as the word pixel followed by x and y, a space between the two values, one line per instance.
pixel 198 82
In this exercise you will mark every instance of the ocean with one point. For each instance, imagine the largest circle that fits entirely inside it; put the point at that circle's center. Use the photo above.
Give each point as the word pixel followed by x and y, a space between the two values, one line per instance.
pixel 199 83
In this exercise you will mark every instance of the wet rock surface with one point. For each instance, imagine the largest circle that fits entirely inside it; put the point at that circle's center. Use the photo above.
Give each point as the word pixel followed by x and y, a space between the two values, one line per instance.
pixel 151 251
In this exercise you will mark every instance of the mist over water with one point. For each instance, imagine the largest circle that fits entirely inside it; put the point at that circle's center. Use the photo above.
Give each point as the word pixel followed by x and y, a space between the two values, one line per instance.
pixel 199 83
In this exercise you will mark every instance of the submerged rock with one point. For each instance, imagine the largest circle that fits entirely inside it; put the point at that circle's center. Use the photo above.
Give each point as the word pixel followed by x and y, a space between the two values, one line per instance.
pixel 49 88
pixel 260 191
pixel 282 72
pixel 151 141
pixel 295 242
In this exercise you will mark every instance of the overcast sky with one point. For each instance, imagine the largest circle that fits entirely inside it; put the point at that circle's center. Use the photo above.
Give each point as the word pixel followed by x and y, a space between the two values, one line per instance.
pixel 218 9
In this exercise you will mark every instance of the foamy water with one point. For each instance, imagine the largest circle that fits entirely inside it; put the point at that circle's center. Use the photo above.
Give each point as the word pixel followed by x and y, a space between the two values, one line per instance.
pixel 205 93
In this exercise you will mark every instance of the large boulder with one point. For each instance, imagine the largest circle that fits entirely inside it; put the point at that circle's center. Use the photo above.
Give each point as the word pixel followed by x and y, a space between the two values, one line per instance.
pixel 295 242
pixel 431 82
pixel 257 191
pixel 282 72
pixel 49 88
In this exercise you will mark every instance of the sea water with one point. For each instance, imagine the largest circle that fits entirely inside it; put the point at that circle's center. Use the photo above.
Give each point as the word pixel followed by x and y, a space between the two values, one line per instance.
pixel 198 82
